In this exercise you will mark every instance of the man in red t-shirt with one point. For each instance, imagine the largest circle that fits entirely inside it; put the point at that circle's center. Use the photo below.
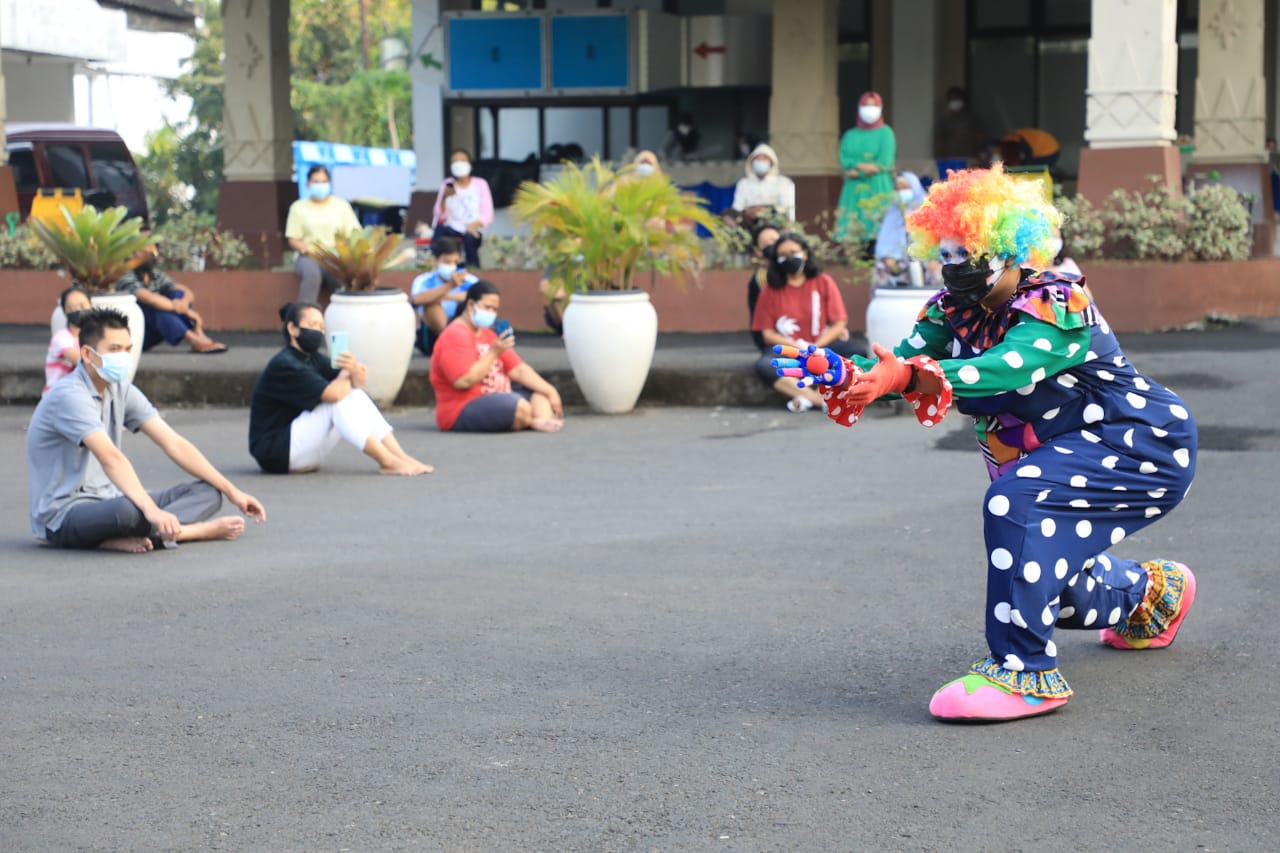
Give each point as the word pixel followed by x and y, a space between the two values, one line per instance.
pixel 472 371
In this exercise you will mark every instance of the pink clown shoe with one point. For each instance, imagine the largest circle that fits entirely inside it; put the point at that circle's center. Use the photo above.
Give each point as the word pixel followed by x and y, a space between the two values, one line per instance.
pixel 1155 622
pixel 975 698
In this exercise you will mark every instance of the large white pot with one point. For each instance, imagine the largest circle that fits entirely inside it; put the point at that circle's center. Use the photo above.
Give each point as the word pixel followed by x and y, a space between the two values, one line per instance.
pixel 126 304
pixel 610 337
pixel 379 326
pixel 892 313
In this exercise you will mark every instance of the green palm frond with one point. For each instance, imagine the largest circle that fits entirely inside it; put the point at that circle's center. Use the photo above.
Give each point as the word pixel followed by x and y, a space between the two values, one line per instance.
pixel 96 247
pixel 599 226
pixel 357 258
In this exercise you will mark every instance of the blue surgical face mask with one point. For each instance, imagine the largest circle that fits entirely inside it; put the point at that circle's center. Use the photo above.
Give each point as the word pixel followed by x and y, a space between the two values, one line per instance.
pixel 906 195
pixel 320 192
pixel 645 170
pixel 446 270
pixel 115 365
pixel 482 318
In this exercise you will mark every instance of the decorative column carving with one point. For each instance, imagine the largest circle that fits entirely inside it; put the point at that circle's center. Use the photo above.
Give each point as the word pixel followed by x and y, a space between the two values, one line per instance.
pixel 1131 98
pixel 804 113
pixel 257 125
pixel 1231 88
pixel 1133 73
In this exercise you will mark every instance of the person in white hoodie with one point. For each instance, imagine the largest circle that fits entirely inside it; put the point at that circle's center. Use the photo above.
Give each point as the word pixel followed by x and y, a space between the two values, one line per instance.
pixel 764 188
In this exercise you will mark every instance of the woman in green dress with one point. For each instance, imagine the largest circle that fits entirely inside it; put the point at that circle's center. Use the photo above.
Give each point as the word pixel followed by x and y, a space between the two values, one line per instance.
pixel 867 153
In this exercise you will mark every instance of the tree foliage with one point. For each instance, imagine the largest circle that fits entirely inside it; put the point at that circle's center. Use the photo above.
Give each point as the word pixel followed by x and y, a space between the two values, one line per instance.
pixel 334 97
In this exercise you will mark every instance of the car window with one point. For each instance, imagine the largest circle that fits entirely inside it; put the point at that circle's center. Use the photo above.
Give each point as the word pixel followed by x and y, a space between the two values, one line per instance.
pixel 113 168
pixel 67 164
pixel 23 162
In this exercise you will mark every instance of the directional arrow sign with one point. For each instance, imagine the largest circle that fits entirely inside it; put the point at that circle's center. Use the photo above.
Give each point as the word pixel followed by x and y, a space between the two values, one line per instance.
pixel 704 50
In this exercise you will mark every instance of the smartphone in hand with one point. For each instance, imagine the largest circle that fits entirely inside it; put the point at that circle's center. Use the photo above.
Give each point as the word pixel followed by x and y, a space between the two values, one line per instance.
pixel 501 327
pixel 337 346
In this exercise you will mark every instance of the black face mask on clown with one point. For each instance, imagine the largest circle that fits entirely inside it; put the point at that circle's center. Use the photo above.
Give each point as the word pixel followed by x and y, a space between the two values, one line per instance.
pixel 968 279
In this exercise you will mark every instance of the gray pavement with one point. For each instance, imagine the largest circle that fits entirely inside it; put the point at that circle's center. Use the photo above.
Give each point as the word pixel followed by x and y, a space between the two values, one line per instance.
pixel 683 629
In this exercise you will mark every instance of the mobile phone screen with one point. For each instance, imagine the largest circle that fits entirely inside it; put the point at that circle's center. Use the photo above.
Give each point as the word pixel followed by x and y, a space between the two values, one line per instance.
pixel 501 327
pixel 337 346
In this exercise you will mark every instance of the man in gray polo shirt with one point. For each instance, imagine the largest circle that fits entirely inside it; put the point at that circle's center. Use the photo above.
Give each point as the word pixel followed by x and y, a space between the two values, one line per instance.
pixel 84 492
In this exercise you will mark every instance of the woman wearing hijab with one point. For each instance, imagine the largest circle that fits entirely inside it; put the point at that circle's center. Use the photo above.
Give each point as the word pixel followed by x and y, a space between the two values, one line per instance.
pixel 893 267
pixel 867 153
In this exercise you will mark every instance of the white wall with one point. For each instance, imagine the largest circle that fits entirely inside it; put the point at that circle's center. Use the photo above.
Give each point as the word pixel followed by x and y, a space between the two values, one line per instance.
pixel 128 96
pixel 75 29
pixel 38 89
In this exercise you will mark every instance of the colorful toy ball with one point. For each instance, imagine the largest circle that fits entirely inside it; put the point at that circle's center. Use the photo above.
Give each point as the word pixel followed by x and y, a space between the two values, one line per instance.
pixel 817 364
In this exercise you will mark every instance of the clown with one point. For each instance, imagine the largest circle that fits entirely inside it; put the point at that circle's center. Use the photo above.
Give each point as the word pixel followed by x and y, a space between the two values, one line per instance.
pixel 1082 449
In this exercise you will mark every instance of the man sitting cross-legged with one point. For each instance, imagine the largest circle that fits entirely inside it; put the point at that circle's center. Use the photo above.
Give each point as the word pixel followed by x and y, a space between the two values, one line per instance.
pixel 84 492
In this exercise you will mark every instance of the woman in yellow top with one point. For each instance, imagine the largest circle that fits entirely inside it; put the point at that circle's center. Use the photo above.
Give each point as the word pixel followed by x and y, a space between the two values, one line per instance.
pixel 313 221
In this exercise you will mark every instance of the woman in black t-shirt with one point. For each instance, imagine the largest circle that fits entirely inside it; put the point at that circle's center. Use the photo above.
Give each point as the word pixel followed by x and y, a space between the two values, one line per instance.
pixel 302 405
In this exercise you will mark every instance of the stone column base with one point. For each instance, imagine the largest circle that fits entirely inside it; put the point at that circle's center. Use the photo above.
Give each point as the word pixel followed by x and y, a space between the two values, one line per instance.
pixel 1252 179
pixel 257 210
pixel 421 205
pixel 1103 170
pixel 815 195
pixel 8 192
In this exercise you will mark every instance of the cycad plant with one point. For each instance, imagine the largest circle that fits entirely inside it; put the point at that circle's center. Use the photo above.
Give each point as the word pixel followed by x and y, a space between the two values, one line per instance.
pixel 96 247
pixel 357 258
pixel 598 226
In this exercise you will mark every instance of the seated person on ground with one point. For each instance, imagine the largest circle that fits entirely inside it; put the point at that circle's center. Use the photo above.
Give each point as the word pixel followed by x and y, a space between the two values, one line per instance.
pixel 302 405
pixel 800 306
pixel 167 307
pixel 436 294
pixel 765 193
pixel 313 222
pixel 64 346
pixel 473 369
pixel 84 493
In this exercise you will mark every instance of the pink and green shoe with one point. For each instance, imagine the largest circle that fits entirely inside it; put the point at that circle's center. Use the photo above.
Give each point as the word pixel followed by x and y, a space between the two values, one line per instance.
pixel 1155 622
pixel 990 693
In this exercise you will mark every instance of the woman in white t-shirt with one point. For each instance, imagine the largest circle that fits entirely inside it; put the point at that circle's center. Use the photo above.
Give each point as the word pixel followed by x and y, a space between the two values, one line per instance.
pixel 464 208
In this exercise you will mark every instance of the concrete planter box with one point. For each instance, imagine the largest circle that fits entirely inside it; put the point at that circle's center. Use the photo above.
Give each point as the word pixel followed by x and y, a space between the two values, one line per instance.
pixel 1134 296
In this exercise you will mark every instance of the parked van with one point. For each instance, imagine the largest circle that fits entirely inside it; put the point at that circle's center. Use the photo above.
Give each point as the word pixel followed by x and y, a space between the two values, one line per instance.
pixel 93 160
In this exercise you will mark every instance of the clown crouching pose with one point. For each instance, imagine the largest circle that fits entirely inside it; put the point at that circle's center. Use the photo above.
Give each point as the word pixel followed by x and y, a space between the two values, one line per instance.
pixel 1082 449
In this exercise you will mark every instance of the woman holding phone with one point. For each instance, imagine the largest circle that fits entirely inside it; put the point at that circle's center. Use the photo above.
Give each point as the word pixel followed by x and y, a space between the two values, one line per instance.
pixel 473 370
pixel 464 207
pixel 304 402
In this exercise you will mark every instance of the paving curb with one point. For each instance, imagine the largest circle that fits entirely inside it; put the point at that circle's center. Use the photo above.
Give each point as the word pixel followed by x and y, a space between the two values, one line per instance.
pixel 234 388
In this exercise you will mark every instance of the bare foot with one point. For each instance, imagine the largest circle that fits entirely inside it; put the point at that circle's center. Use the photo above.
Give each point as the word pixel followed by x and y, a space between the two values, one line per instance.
pixel 405 468
pixel 546 424
pixel 127 544
pixel 228 527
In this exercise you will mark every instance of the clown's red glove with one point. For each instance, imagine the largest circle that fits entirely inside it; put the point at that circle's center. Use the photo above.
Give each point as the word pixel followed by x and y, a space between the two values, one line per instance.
pixel 889 376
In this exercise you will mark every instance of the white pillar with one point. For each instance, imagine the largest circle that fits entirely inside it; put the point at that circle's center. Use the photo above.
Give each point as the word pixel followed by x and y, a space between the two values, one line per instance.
pixel 8 194
pixel 257 117
pixel 428 94
pixel 804 115
pixel 1133 73
pixel 912 102
pixel 1231 88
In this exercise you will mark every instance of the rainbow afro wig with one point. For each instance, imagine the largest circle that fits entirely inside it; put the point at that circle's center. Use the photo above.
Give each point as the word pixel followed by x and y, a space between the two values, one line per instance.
pixel 989 213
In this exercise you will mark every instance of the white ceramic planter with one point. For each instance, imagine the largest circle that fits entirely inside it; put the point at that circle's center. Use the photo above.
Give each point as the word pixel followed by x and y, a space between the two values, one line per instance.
pixel 891 314
pixel 610 337
pixel 379 327
pixel 126 304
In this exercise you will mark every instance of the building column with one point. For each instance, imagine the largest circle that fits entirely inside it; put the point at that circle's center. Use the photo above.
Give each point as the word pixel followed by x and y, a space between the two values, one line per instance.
pixel 257 186
pixel 804 114
pixel 426 67
pixel 1131 96
pixel 8 193
pixel 912 101
pixel 1231 106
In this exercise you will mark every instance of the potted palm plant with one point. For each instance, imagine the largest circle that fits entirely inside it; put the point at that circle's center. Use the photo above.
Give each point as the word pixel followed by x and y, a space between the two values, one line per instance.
pixel 379 322
pixel 598 227
pixel 97 247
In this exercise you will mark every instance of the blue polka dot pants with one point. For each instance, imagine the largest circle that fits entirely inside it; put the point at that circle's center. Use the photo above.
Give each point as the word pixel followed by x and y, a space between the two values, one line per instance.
pixel 1049 521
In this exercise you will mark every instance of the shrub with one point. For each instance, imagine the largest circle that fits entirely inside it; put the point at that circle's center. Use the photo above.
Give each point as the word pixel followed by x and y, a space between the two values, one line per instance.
pixel 1146 225
pixel 1083 227
pixel 192 242
pixel 1219 226
pixel 22 250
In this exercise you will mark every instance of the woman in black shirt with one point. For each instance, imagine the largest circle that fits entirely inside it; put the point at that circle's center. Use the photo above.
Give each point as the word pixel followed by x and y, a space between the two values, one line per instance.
pixel 302 405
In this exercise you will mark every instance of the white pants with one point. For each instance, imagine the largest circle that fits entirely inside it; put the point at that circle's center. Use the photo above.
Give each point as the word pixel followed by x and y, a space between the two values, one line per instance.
pixel 313 434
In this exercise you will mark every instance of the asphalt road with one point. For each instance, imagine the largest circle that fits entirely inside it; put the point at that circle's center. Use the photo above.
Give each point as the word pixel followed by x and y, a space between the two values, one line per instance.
pixel 683 629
